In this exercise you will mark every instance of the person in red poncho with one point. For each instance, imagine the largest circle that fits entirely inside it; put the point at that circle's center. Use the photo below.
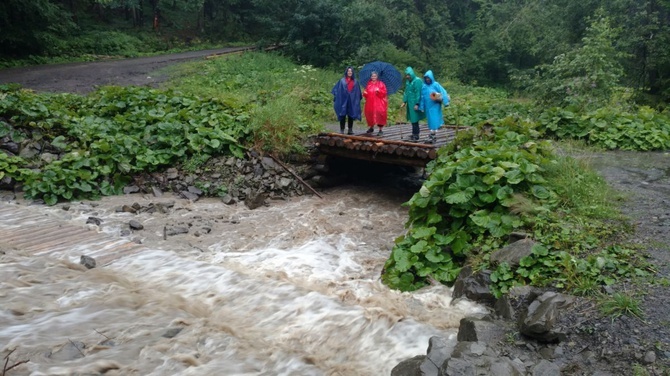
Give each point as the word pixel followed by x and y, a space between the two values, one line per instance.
pixel 376 104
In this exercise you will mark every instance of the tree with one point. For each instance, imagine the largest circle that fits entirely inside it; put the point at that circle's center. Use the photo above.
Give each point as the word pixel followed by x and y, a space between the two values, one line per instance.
pixel 586 76
pixel 32 26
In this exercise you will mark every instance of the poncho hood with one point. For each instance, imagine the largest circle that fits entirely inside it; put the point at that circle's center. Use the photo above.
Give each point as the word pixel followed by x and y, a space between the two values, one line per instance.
pixel 409 71
pixel 429 74
pixel 352 71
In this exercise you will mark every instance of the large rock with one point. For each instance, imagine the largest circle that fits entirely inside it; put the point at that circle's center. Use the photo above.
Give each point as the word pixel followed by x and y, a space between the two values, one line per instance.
pixel 474 286
pixel 473 329
pixel 539 320
pixel 477 358
pixel 513 253
pixel 255 200
pixel 409 367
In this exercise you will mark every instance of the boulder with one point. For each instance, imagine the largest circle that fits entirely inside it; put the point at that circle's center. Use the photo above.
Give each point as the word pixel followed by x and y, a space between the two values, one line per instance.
pixel 539 319
pixel 409 367
pixel 473 329
pixel 87 261
pixel 474 285
pixel 513 253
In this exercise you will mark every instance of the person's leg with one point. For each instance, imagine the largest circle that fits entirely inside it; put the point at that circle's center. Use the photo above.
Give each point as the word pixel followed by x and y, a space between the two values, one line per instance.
pixel 415 131
pixel 342 124
pixel 381 132
pixel 350 125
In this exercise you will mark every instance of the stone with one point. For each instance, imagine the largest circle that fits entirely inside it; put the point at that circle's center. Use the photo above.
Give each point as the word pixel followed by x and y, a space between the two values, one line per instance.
pixel 131 189
pixel 439 350
pixel 475 330
pixel 459 367
pixel 48 157
pixel 503 308
pixel 228 199
pixel 505 367
pixel 546 368
pixel 172 332
pixel 87 261
pixel 474 286
pixel 94 221
pixel 29 149
pixel 171 173
pixel 176 230
pixel 539 319
pixel 190 196
pixel 513 253
pixel 70 351
pixel 409 367
pixel 268 163
pixel 195 190
pixel 10 146
pixel 135 225
pixel 285 182
pixel 128 209
pixel 156 191
pixel 256 200
pixel 649 357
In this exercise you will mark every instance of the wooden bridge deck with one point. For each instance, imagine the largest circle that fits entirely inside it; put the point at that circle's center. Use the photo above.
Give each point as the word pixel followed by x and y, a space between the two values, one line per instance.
pixel 394 147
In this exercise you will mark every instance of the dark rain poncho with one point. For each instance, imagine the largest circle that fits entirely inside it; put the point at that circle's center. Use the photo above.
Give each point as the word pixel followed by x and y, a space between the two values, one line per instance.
pixel 347 103
pixel 412 96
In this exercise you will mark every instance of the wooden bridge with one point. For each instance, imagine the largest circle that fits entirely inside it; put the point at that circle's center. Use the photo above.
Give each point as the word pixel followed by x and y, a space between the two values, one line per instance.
pixel 394 147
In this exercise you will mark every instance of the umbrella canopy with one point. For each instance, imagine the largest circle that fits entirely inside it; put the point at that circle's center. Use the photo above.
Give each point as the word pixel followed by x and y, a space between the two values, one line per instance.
pixel 390 76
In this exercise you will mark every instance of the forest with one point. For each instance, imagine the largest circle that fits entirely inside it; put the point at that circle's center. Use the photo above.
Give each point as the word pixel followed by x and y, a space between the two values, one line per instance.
pixel 529 46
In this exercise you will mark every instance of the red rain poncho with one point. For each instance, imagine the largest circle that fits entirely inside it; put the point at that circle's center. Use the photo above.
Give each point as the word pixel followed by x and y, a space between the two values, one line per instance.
pixel 376 103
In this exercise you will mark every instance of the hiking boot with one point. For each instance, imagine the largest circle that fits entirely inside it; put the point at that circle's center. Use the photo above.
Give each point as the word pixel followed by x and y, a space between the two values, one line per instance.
pixel 380 133
pixel 370 130
pixel 415 137
pixel 431 139
pixel 350 131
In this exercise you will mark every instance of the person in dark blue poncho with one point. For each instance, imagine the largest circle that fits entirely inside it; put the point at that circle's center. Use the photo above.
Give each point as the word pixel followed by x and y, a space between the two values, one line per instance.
pixel 347 100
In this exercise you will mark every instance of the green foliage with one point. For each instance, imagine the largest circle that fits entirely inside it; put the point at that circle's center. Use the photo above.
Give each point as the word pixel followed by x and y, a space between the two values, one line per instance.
pixel 619 304
pixel 466 203
pixel 610 127
pixel 287 102
pixel 498 179
pixel 584 77
pixel 114 133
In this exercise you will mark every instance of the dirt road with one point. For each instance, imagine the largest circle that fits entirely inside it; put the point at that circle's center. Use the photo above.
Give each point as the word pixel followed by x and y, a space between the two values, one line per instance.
pixel 85 77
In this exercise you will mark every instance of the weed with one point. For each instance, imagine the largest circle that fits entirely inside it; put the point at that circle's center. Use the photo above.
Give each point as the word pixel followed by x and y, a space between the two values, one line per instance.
pixel 619 304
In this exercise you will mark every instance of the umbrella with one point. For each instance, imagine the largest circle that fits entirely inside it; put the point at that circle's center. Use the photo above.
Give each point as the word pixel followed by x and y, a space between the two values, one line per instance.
pixel 387 73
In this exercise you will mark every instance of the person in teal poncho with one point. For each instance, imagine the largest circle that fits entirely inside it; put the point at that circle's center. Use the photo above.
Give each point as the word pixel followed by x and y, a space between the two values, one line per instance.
pixel 433 98
pixel 411 100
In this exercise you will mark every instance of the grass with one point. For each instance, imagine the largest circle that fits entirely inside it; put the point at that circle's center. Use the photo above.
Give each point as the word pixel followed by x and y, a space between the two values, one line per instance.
pixel 582 190
pixel 620 304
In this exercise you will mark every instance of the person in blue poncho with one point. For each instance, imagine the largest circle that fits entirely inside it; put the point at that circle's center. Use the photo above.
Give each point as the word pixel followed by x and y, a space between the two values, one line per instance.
pixel 347 100
pixel 433 98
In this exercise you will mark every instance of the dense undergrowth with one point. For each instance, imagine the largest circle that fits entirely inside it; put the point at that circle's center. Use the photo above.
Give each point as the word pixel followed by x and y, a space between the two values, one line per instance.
pixel 500 179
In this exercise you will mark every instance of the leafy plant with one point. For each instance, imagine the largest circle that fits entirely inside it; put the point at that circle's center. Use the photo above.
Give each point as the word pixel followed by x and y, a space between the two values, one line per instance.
pixel 619 304
pixel 466 203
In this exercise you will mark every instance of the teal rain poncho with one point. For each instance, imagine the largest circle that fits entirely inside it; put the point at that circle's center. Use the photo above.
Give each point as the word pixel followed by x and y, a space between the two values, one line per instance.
pixel 412 96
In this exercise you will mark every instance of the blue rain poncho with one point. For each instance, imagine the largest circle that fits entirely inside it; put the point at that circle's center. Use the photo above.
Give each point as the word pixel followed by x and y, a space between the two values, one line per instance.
pixel 346 102
pixel 431 107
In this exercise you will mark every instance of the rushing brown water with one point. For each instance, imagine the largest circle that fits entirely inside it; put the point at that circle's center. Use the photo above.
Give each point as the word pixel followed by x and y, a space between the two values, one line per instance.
pixel 287 289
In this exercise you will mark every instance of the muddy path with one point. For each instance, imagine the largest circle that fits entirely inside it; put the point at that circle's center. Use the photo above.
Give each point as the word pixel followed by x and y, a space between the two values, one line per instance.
pixel 85 77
